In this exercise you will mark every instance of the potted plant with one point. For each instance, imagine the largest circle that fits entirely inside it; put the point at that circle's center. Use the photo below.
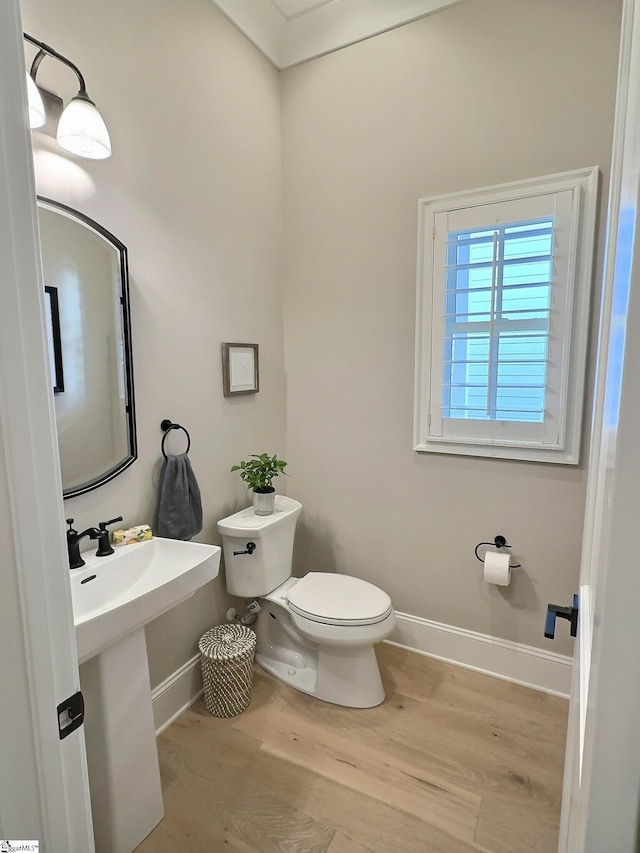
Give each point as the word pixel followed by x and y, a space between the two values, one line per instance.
pixel 258 472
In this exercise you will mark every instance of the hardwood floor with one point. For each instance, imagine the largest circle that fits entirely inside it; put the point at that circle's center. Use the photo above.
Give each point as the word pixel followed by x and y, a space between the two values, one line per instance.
pixel 451 762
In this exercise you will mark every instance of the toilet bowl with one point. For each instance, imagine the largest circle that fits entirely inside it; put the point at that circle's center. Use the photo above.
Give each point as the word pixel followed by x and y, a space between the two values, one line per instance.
pixel 315 633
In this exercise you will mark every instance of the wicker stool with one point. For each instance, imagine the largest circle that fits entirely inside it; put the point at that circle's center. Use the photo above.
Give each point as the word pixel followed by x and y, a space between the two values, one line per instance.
pixel 226 656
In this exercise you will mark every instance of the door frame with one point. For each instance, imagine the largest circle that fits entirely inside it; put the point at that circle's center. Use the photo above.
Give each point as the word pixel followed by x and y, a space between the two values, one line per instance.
pixel 601 805
pixel 44 791
pixel 43 781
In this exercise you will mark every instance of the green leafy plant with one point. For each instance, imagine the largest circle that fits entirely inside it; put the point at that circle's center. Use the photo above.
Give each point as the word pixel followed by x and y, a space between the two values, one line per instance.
pixel 259 470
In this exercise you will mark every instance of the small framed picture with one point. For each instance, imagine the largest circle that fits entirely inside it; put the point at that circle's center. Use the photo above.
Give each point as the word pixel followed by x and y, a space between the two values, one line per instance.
pixel 240 370
pixel 52 313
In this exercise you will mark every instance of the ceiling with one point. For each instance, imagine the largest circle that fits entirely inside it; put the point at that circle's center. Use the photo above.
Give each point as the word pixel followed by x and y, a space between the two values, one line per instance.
pixel 289 32
pixel 293 8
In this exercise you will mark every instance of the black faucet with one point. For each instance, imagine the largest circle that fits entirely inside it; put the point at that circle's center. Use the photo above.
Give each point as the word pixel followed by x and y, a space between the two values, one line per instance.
pixel 74 538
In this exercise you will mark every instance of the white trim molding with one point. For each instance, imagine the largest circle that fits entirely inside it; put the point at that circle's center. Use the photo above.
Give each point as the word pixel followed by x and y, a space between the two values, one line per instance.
pixel 516 662
pixel 44 788
pixel 320 29
pixel 504 659
pixel 176 694
pixel 565 203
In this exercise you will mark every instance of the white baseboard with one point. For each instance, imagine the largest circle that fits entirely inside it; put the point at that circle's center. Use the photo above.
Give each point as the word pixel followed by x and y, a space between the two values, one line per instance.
pixel 526 665
pixel 176 694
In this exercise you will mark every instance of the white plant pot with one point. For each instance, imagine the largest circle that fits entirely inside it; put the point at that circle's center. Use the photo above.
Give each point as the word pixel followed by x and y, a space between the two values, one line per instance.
pixel 264 502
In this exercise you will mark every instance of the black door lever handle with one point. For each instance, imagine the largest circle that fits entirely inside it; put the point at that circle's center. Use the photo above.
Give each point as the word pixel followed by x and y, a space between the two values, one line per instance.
pixel 570 613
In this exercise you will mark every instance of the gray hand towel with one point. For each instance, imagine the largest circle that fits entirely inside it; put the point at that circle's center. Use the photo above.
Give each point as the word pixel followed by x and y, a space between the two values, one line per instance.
pixel 179 504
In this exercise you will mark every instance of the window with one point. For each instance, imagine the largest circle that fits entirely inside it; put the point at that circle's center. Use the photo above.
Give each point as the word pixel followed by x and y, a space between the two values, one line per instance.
pixel 504 277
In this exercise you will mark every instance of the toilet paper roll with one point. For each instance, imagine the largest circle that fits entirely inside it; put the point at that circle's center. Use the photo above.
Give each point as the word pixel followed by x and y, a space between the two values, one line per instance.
pixel 497 568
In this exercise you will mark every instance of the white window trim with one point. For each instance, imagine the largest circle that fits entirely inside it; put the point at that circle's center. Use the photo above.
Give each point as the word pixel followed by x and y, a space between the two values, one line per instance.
pixel 584 182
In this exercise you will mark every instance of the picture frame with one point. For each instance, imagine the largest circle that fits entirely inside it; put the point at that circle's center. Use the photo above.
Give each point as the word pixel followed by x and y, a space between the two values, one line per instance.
pixel 240 369
pixel 52 315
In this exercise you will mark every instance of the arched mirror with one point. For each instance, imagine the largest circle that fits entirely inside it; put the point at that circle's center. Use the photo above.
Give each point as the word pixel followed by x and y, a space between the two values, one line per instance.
pixel 88 327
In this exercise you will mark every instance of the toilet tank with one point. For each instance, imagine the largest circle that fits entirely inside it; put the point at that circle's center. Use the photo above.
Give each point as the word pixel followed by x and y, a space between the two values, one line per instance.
pixel 255 574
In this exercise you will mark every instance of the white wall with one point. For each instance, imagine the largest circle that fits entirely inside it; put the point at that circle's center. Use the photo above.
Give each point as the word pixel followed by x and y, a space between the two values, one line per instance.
pixel 485 92
pixel 194 191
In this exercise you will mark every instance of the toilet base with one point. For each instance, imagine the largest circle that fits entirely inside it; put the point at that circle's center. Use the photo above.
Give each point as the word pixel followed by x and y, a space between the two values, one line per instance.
pixel 302 678
pixel 346 676
pixel 335 682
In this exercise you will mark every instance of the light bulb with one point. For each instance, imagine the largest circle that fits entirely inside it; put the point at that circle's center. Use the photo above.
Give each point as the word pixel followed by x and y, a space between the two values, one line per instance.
pixel 82 131
pixel 36 107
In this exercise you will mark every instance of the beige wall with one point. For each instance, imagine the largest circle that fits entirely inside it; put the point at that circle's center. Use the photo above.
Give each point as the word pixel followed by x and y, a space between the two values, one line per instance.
pixel 194 191
pixel 485 92
pixel 488 91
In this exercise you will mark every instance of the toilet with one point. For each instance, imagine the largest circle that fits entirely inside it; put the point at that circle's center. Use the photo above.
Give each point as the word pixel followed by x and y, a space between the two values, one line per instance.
pixel 315 633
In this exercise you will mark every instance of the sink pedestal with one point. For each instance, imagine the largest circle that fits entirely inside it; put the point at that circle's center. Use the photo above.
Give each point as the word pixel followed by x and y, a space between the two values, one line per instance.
pixel 113 599
pixel 124 776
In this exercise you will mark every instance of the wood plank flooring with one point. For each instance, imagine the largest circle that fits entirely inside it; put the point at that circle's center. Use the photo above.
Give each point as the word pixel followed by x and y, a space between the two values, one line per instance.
pixel 451 762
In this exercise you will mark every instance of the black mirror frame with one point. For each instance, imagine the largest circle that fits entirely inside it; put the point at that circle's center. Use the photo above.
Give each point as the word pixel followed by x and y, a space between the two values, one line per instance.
pixel 130 408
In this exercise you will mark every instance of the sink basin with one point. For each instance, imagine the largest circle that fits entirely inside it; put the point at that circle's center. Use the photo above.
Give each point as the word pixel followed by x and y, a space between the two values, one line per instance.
pixel 113 596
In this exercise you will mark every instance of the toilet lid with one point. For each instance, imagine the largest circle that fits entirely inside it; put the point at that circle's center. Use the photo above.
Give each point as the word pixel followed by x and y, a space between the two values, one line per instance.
pixel 338 600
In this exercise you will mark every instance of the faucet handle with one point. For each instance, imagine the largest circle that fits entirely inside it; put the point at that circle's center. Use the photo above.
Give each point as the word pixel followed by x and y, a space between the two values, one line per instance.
pixel 69 522
pixel 104 524
pixel 104 546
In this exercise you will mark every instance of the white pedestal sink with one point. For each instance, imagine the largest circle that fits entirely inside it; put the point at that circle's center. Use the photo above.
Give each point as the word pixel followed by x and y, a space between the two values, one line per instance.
pixel 113 599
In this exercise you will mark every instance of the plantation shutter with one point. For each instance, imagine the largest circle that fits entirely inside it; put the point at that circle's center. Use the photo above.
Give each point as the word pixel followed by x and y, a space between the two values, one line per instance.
pixel 501 320
pixel 496 322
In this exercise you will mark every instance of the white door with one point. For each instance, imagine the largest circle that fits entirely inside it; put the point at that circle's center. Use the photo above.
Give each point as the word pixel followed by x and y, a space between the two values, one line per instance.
pixel 602 770
pixel 44 792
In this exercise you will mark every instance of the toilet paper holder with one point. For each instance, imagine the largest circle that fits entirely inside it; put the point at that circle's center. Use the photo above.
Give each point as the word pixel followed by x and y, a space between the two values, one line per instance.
pixel 498 542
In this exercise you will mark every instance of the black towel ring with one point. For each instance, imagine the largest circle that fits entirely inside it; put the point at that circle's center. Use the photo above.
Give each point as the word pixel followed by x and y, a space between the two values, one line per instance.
pixel 498 542
pixel 166 426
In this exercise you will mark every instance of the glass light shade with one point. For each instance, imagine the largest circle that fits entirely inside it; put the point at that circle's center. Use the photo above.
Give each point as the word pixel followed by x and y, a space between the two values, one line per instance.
pixel 36 107
pixel 82 131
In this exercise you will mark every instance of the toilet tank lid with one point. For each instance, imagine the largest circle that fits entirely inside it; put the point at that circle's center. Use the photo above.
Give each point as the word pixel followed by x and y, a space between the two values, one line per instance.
pixel 246 521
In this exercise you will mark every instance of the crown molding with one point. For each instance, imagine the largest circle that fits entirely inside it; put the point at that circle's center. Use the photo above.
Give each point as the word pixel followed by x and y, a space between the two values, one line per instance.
pixel 323 29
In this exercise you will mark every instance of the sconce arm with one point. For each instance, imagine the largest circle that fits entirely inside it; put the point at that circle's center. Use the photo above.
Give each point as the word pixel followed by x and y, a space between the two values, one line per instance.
pixel 46 50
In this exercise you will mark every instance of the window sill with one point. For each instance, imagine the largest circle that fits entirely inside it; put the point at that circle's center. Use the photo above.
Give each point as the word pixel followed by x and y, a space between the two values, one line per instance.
pixel 488 451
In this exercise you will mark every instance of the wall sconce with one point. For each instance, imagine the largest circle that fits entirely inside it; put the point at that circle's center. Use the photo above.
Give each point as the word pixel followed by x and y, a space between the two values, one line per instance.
pixel 81 128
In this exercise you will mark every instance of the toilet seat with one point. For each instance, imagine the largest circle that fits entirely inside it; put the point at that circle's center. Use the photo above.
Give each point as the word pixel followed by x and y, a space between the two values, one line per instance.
pixel 334 599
